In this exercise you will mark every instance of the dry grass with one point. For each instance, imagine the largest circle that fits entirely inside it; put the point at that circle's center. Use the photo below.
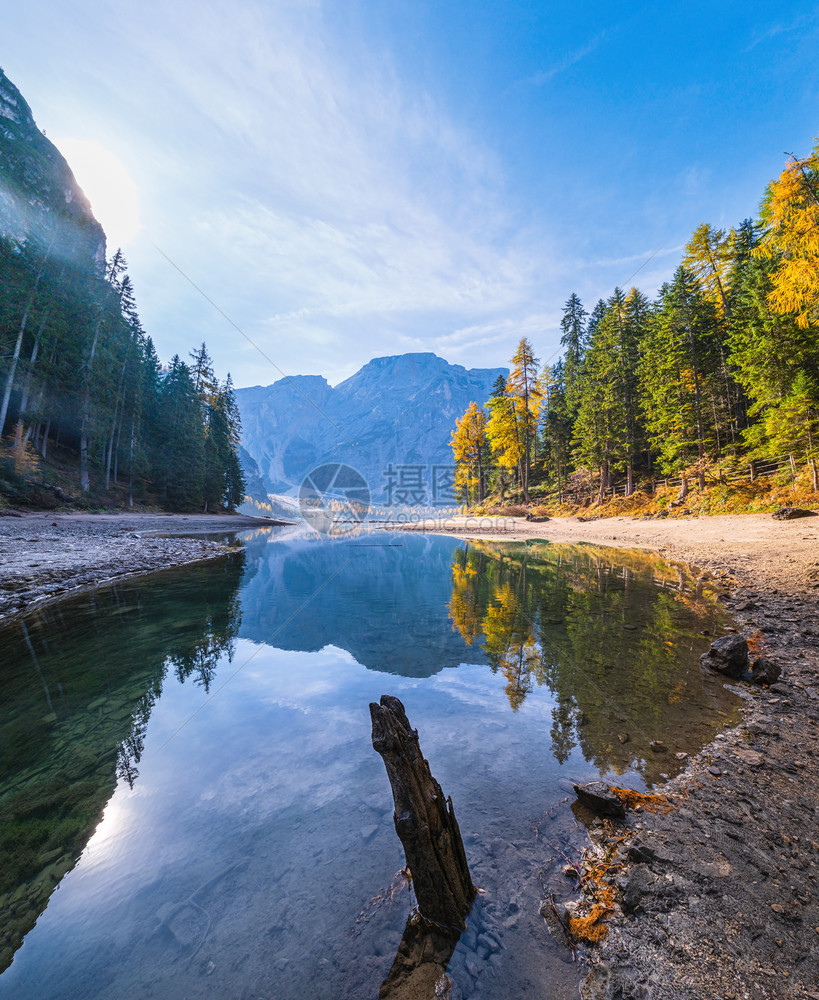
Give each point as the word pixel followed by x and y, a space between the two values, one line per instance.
pixel 741 496
pixel 651 803
pixel 590 927
pixel 596 882
pixel 756 645
pixel 598 873
pixel 506 509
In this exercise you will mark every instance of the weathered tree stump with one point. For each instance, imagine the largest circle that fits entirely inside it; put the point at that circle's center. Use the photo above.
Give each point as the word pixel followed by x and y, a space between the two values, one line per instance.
pixel 424 821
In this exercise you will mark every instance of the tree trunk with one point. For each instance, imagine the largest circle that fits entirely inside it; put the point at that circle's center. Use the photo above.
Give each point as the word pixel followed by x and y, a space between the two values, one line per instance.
pixel 424 821
pixel 604 480
pixel 131 463
pixel 420 964
pixel 117 446
pixel 46 431
pixel 19 443
pixel 85 481
pixel 4 408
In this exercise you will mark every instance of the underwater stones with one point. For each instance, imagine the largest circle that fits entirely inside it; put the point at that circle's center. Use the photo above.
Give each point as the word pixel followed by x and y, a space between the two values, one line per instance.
pixel 599 798
pixel 728 655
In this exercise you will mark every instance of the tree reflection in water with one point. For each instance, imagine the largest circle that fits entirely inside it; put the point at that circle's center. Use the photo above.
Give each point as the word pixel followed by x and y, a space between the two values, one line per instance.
pixel 71 726
pixel 614 635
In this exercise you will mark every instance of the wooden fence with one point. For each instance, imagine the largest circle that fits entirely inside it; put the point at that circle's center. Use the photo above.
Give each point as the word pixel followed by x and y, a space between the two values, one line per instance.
pixel 755 470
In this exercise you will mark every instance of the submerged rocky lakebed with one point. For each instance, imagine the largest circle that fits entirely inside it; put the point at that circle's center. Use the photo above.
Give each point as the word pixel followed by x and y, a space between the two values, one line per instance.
pixel 190 802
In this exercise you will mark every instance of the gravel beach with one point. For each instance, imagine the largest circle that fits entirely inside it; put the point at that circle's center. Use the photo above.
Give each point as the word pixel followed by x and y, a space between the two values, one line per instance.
pixel 46 556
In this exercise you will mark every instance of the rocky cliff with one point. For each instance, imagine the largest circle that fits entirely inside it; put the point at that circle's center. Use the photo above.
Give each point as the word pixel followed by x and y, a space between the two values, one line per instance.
pixel 395 412
pixel 40 201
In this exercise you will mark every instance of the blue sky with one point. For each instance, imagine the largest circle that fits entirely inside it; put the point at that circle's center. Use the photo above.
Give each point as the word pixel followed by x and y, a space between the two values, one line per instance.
pixel 356 178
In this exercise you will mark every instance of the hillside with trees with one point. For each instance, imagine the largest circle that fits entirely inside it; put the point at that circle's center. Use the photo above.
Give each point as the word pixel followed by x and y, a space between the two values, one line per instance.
pixel 721 370
pixel 87 411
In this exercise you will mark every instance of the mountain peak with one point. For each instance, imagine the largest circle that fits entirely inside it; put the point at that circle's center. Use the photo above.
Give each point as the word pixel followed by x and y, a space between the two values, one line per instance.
pixel 397 410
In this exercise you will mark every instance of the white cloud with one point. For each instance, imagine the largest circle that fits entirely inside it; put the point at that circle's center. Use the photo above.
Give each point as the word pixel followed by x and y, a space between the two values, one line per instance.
pixel 800 23
pixel 335 194
pixel 545 76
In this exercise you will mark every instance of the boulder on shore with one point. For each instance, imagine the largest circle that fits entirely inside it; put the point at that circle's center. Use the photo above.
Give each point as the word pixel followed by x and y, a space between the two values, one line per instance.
pixel 789 513
pixel 728 655
pixel 765 671
pixel 598 796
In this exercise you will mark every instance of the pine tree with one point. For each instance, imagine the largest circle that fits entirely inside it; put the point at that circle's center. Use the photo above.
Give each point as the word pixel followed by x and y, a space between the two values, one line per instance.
pixel 708 258
pixel 679 377
pixel 205 382
pixel 556 428
pixel 235 484
pixel 217 452
pixel 775 359
pixel 181 439
pixel 600 426
pixel 524 389
pixel 572 325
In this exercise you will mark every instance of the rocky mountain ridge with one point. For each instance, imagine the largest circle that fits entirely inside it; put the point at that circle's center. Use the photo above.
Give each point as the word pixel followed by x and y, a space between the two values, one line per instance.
pixel 396 413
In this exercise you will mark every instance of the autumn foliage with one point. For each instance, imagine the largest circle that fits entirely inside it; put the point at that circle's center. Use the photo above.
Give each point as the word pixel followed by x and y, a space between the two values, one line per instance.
pixel 721 369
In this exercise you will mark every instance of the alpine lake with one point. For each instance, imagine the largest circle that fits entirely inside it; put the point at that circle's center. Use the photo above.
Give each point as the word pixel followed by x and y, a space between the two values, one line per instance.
pixel 190 803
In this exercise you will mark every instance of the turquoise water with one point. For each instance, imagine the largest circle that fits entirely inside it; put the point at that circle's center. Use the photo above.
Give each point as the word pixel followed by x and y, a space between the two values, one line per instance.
pixel 190 802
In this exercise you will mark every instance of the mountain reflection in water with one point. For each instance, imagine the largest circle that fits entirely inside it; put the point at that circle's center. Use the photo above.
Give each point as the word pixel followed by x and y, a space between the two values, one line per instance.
pixel 259 803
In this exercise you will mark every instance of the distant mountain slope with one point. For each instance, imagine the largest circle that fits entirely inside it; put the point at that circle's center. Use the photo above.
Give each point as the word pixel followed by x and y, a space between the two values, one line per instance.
pixel 397 411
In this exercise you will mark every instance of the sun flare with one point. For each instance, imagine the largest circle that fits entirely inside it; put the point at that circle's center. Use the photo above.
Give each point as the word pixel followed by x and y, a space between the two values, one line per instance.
pixel 108 185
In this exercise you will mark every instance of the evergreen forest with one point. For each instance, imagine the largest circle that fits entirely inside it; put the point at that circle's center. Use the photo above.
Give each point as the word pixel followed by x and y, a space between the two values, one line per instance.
pixel 87 409
pixel 721 368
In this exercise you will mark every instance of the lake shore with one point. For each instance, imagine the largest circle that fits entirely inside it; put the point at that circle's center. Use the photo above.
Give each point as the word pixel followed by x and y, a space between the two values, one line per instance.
pixel 718 897
pixel 46 556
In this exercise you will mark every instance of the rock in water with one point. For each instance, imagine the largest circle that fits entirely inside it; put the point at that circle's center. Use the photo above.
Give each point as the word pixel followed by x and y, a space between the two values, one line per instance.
pixel 765 671
pixel 424 819
pixel 789 513
pixel 597 796
pixel 728 655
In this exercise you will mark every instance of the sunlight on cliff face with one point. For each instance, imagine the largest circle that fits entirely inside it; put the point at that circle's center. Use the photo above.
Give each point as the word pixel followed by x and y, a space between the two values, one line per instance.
pixel 108 186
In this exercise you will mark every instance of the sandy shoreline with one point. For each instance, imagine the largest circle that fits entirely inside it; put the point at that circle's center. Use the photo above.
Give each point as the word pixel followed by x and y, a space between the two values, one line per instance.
pixel 718 898
pixel 785 553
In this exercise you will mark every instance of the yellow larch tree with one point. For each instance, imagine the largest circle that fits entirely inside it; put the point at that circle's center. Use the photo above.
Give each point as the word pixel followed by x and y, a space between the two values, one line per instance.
pixel 708 257
pixel 470 447
pixel 514 413
pixel 791 211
